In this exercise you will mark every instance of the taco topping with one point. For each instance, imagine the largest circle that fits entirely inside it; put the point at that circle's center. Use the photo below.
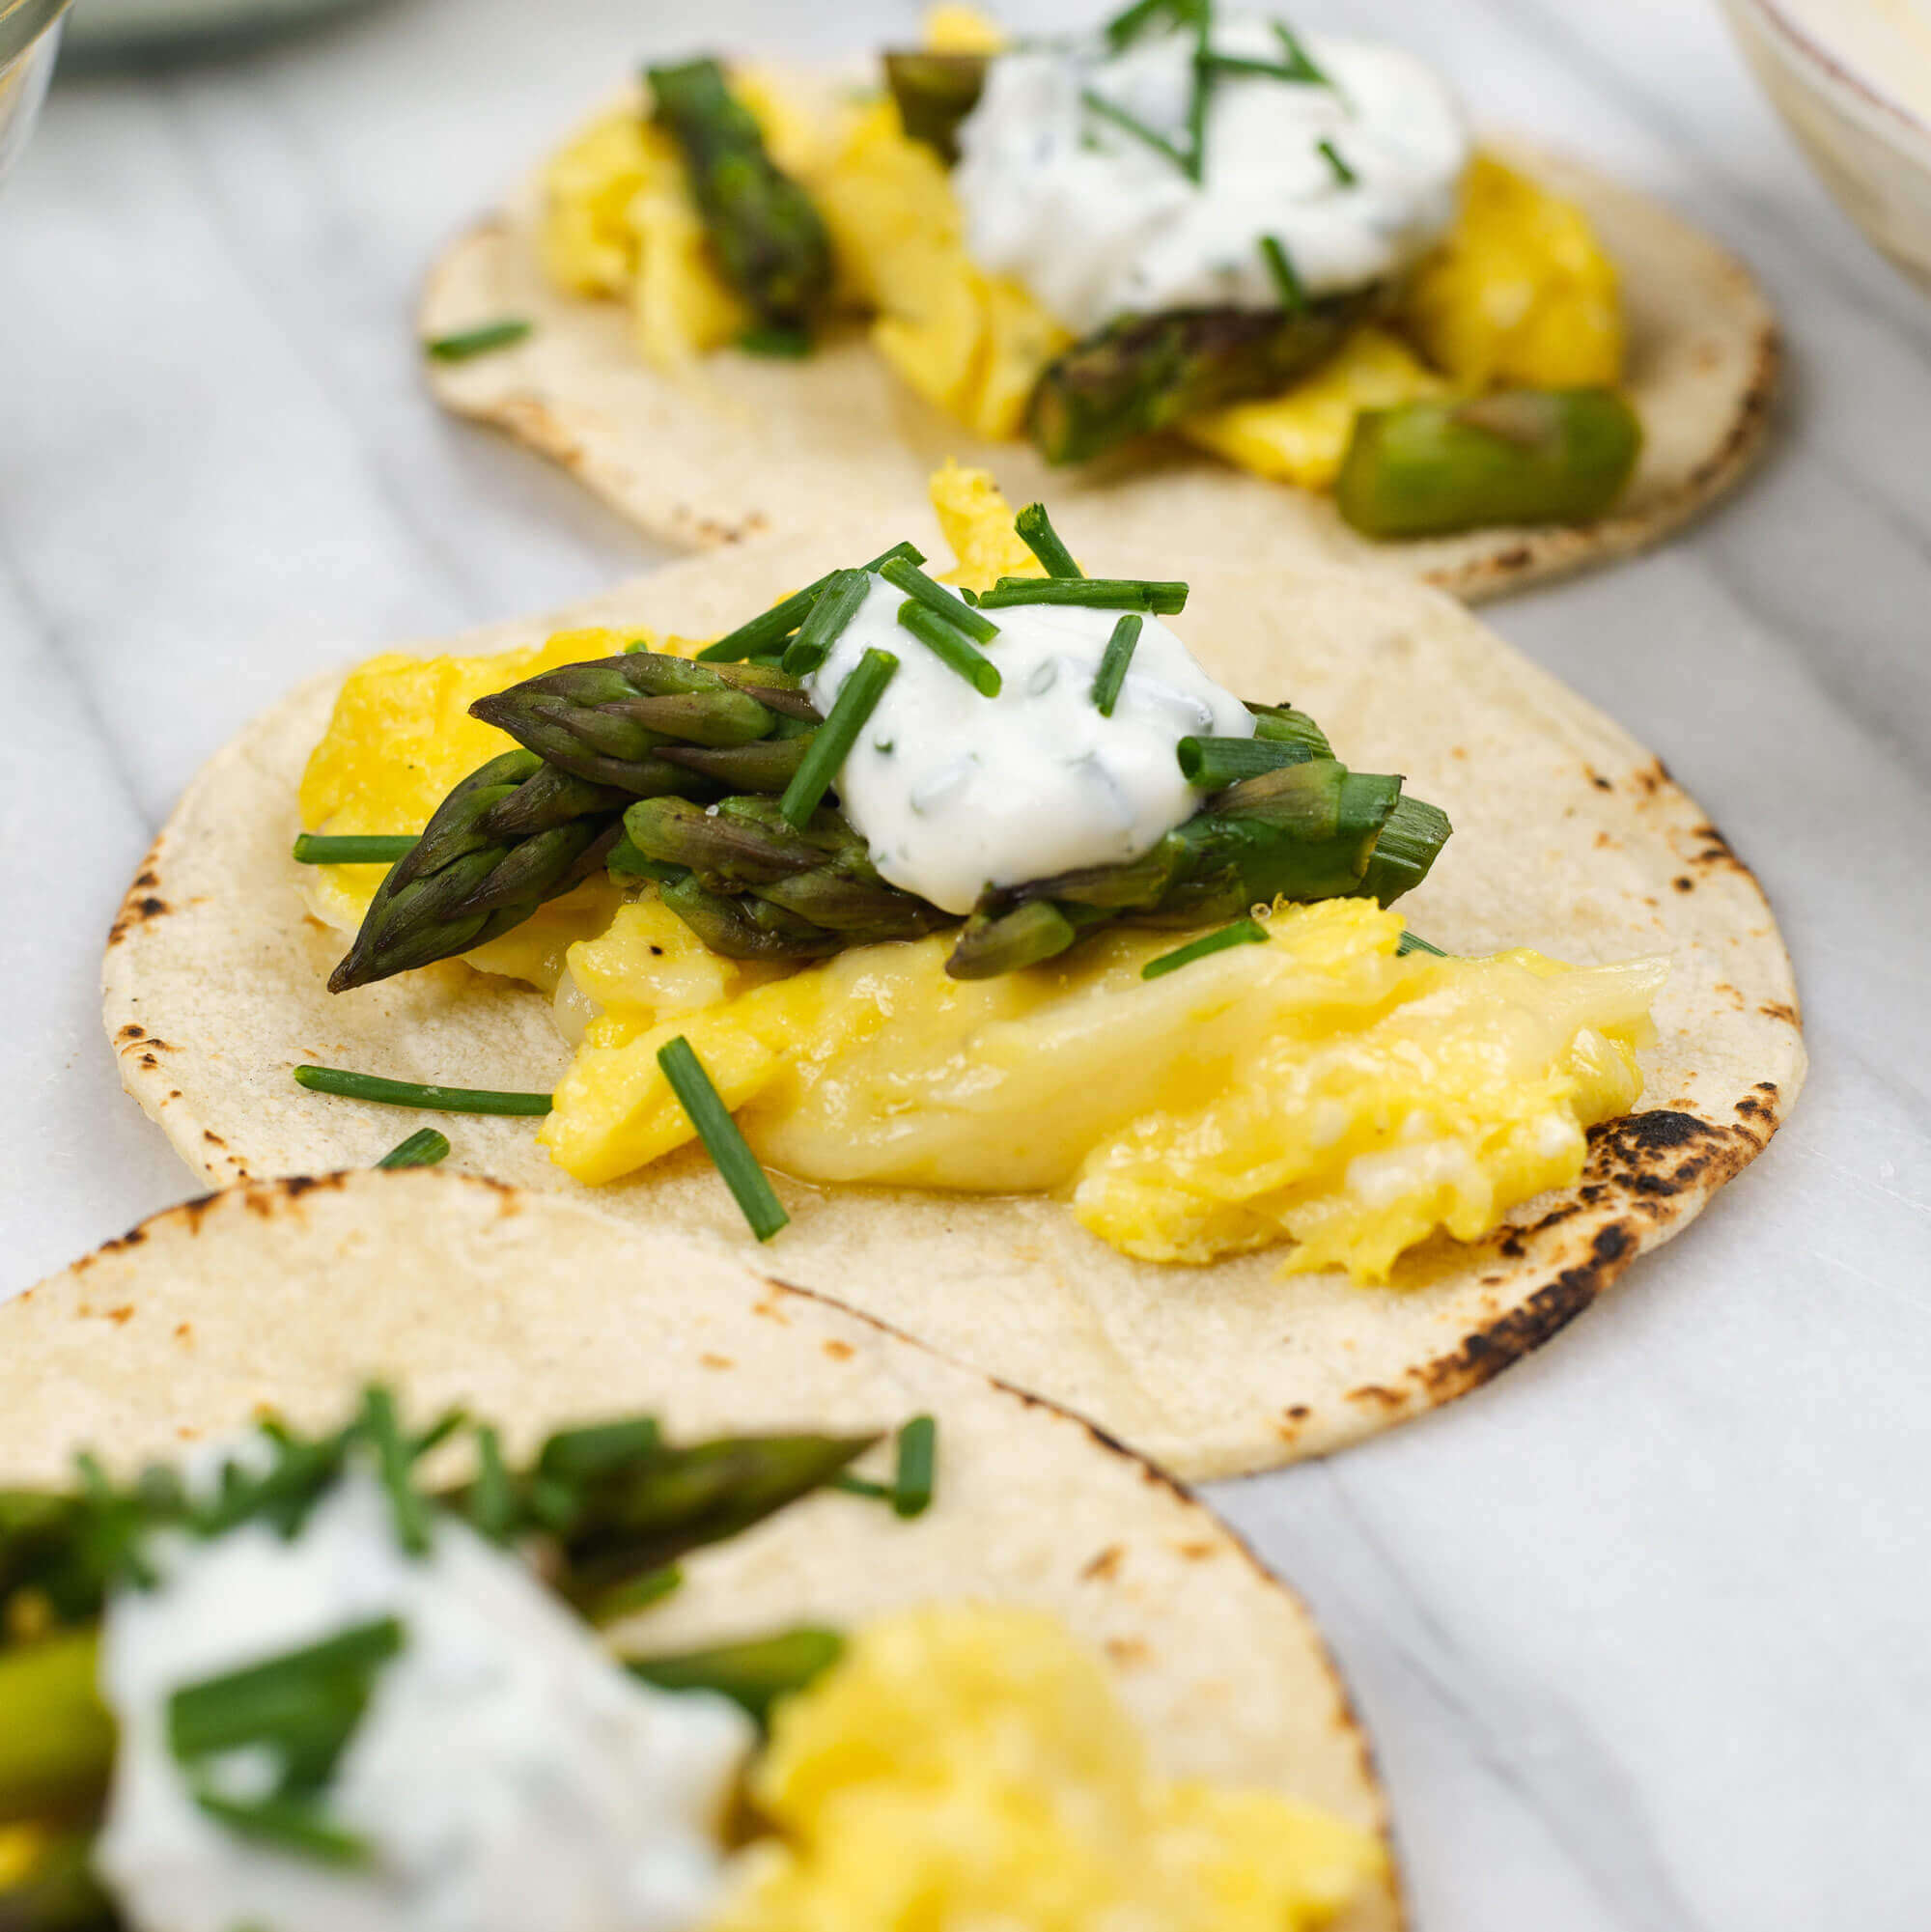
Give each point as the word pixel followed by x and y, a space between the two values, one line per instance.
pixel 1200 1028
pixel 1140 169
pixel 296 1688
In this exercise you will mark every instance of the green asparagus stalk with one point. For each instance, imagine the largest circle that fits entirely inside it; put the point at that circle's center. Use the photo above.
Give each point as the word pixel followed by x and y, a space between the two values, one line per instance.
pixel 1304 831
pixel 512 834
pixel 635 722
pixel 934 93
pixel 769 238
pixel 1521 455
pixel 754 1675
pixel 59 1893
pixel 1145 373
pixel 820 880
pixel 647 1513
pixel 56 1737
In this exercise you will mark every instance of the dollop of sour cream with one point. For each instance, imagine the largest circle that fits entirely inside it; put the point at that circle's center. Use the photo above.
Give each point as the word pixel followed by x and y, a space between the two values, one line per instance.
pixel 953 792
pixel 506 1773
pixel 1098 224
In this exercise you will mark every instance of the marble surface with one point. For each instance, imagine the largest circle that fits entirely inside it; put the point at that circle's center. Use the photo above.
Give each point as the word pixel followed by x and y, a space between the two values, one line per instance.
pixel 1641 1629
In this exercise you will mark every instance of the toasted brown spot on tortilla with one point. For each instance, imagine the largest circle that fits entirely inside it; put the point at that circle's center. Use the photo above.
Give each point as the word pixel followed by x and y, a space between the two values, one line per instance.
pixel 1683 882
pixel 1103 1567
pixel 1198 1553
pixel 122 1315
pixel 130 1032
pixel 1128 1652
pixel 185 1333
pixel 1373 1391
pixel 838 1350
pixel 709 1361
pixel 1780 1009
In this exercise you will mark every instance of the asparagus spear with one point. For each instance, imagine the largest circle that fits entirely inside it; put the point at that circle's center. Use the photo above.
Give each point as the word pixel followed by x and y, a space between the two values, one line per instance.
pixel 753 1674
pixel 58 1891
pixel 1143 373
pixel 767 237
pixel 512 834
pixel 647 724
pixel 1311 829
pixel 1303 831
pixel 1521 455
pixel 820 881
pixel 934 93
pixel 56 1738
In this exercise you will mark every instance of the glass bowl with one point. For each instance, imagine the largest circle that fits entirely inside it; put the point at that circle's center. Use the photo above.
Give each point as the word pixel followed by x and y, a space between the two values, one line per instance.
pixel 30 32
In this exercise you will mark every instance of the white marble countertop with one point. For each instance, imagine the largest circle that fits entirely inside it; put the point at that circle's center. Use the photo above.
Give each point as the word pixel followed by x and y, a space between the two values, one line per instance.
pixel 1641 1629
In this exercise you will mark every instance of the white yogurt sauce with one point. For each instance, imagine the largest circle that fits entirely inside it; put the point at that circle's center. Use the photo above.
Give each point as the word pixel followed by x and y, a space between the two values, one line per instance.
pixel 508 1775
pixel 953 792
pixel 1096 224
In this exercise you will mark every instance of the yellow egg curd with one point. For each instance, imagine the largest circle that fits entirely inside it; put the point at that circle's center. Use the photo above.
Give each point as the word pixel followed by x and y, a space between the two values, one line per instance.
pixel 971 1767
pixel 1320 1092
pixel 1520 291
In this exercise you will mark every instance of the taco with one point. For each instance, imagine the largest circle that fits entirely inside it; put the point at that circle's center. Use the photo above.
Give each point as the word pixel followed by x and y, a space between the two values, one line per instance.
pixel 1173 1120
pixel 1201 280
pixel 566 1623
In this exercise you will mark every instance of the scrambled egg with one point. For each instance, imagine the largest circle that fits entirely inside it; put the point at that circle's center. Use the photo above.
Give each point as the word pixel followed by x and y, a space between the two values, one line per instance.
pixel 966 1768
pixel 976 523
pixel 1301 437
pixel 1520 292
pixel 1319 1089
pixel 398 741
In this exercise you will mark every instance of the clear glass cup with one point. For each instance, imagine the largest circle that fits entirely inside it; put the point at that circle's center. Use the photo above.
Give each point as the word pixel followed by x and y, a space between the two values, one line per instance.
pixel 30 32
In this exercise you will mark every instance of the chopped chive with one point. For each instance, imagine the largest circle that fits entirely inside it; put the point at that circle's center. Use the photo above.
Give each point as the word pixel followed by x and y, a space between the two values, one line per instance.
pixel 438 1432
pixel 951 647
pixel 918 1457
pixel 1287 284
pixel 363 849
pixel 424 1148
pixel 1211 764
pixel 493 1502
pixel 1197 100
pixel 288 1824
pixel 755 1674
pixel 1343 173
pixel 1099 104
pixel 1299 64
pixel 1242 932
pixel 831 610
pixel 480 341
pixel 1149 594
pixel 750 1186
pixel 787 345
pixel 413 1093
pixel 857 698
pixel 1037 534
pixel 1242 64
pixel 1413 942
pixel 297 1691
pixel 392 1457
pixel 639 1593
pixel 769 630
pixel 1112 673
pixel 936 598
pixel 1126 27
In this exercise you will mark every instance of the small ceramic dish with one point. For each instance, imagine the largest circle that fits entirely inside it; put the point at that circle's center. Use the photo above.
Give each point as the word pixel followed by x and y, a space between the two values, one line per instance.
pixel 1839 93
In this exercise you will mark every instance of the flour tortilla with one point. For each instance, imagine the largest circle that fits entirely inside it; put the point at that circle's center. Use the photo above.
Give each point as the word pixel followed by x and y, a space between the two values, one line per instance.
pixel 536 1312
pixel 1569 837
pixel 746 447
